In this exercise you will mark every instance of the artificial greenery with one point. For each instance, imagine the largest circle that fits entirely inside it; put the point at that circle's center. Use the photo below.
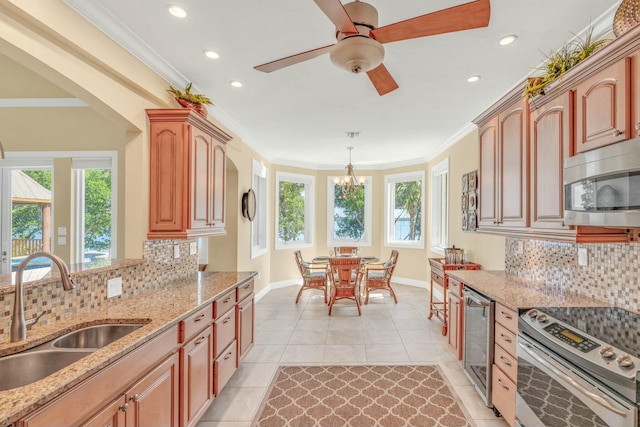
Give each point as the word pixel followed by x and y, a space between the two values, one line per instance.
pixel 559 62
pixel 187 95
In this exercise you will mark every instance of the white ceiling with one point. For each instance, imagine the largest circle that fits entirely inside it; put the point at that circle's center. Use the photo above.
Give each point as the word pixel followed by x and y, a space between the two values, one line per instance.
pixel 299 115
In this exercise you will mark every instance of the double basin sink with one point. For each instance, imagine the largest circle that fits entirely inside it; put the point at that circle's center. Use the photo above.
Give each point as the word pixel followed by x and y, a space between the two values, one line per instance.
pixel 24 368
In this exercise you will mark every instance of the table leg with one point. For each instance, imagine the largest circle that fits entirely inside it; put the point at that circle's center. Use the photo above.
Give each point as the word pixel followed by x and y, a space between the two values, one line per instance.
pixel 445 325
pixel 430 299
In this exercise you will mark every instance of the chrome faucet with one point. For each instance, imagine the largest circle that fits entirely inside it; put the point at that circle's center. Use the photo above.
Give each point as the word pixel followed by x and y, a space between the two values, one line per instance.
pixel 18 324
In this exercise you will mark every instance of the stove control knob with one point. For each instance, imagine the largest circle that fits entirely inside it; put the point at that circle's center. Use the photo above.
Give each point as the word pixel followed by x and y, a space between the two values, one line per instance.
pixel 625 361
pixel 608 353
pixel 533 313
pixel 542 318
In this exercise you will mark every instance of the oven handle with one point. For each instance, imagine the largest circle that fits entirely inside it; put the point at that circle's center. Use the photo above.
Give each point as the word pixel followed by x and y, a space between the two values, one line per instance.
pixel 598 399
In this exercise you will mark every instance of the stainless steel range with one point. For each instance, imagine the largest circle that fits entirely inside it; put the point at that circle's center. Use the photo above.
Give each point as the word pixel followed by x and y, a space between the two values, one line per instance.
pixel 578 366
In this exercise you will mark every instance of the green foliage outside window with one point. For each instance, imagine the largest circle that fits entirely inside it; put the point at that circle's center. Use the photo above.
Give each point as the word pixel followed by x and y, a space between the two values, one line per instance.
pixel 291 224
pixel 349 214
pixel 408 198
pixel 27 218
pixel 97 216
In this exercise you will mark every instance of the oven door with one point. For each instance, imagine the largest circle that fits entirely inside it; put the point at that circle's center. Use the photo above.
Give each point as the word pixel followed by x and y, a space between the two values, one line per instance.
pixel 553 393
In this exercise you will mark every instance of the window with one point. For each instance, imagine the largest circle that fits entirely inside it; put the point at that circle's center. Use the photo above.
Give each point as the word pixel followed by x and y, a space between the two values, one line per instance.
pixel 348 217
pixel 259 224
pixel 404 207
pixel 294 210
pixel 440 206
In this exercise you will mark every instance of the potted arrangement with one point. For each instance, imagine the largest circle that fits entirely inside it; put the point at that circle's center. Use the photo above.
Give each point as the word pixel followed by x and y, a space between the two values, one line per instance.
pixel 187 99
pixel 559 62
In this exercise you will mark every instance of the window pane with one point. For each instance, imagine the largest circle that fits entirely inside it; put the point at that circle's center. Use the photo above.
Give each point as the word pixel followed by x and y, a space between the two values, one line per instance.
pixel 408 210
pixel 291 211
pixel 97 214
pixel 349 214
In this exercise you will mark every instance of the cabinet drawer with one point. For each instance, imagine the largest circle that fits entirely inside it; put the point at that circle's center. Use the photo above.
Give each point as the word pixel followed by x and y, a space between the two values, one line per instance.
pixel 437 278
pixel 455 287
pixel 506 362
pixel 224 367
pixel 505 339
pixel 224 303
pixel 245 290
pixel 195 323
pixel 225 331
pixel 507 318
pixel 504 395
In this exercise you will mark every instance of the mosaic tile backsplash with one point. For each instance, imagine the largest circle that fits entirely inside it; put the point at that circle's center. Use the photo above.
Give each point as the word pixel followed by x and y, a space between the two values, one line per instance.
pixel 157 268
pixel 611 273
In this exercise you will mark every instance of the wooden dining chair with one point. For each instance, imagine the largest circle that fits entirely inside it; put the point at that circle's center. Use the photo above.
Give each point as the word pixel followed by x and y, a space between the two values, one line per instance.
pixel 345 250
pixel 314 276
pixel 377 276
pixel 345 274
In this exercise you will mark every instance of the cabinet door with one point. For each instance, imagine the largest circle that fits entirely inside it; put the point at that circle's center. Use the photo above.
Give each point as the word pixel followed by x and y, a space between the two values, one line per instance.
pixel 635 95
pixel 601 108
pixel 219 184
pixel 513 175
pixel 196 366
pixel 550 142
pixel 153 401
pixel 504 395
pixel 245 327
pixel 113 415
pixel 488 180
pixel 200 157
pixel 453 336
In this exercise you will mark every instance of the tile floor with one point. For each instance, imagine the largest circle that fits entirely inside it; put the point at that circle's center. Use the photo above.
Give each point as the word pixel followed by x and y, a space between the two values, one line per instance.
pixel 287 333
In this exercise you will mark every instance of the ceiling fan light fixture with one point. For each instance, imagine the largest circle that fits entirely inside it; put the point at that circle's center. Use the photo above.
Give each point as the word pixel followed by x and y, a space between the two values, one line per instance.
pixel 357 54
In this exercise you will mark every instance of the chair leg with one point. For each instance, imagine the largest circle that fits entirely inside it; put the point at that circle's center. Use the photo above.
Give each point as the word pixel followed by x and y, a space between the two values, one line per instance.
pixel 302 288
pixel 358 305
pixel 366 295
pixel 393 294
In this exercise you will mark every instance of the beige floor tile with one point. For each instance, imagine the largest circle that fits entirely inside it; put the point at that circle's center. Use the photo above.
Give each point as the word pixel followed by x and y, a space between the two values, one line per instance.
pixel 420 336
pixel 235 404
pixel 349 354
pixel 429 352
pixel 308 337
pixel 312 324
pixel 381 336
pixel 275 325
pixel 419 323
pixel 264 354
pixel 253 375
pixel 346 337
pixel 272 337
pixel 386 353
pixel 302 353
pixel 473 403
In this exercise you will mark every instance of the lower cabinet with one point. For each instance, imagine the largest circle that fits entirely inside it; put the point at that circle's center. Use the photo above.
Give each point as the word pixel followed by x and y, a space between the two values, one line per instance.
pixel 111 416
pixel 245 327
pixel 455 314
pixel 505 363
pixel 224 367
pixel 196 387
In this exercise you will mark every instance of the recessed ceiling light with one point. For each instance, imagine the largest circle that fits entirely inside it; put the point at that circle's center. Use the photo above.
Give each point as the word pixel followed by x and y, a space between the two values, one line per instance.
pixel 211 54
pixel 507 40
pixel 235 83
pixel 473 79
pixel 177 11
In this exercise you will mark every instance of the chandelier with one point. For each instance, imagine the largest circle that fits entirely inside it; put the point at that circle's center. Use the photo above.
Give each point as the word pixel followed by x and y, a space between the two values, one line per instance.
pixel 350 182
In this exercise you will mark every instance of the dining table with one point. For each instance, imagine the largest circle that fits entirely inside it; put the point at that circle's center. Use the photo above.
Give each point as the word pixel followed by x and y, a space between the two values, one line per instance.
pixel 364 258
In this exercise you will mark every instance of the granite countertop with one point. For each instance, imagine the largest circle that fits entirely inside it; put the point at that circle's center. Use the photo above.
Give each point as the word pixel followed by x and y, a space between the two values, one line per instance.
pixel 159 309
pixel 517 292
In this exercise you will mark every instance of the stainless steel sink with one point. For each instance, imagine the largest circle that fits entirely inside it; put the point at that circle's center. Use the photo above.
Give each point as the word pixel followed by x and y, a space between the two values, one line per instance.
pixel 25 368
pixel 95 336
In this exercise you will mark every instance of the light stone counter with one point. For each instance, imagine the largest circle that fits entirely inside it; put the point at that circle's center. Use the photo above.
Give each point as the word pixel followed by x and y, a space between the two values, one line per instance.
pixel 518 293
pixel 159 309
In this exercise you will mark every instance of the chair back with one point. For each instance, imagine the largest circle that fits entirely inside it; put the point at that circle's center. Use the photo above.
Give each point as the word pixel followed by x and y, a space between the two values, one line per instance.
pixel 345 272
pixel 394 259
pixel 300 262
pixel 345 250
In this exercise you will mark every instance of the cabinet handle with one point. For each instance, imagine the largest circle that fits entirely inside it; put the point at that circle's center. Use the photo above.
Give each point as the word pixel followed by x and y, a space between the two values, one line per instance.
pixel 199 318
pixel 124 407
pixel 226 320
pixel 502 384
pixel 505 361
pixel 617 132
pixel 226 300
pixel 228 356
pixel 247 286
pixel 505 337
pixel 199 341
pixel 507 315
pixel 135 398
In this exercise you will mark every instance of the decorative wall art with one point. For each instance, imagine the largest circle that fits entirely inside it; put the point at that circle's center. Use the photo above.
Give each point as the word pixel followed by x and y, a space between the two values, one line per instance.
pixel 469 200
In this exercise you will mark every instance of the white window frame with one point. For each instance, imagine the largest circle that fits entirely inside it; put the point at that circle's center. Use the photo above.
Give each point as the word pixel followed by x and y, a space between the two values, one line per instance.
pixel 390 182
pixel 368 208
pixel 309 209
pixel 259 232
pixel 439 233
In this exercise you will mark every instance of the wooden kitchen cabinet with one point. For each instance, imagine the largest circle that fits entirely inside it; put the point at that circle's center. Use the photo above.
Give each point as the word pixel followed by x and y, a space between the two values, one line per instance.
pixel 602 107
pixel 550 137
pixel 503 181
pixel 112 415
pixel 196 387
pixel 245 319
pixel 187 175
pixel 505 365
pixel 455 337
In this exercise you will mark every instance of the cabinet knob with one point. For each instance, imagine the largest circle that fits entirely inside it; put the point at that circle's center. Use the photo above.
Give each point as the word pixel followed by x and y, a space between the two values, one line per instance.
pixel 617 132
pixel 124 407
pixel 135 398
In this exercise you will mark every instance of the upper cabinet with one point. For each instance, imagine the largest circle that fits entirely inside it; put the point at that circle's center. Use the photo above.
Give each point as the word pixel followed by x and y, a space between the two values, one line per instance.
pixel 602 107
pixel 187 175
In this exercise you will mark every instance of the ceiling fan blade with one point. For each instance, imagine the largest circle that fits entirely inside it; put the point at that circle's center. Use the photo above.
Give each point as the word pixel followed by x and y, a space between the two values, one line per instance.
pixel 382 80
pixel 336 13
pixel 292 60
pixel 463 17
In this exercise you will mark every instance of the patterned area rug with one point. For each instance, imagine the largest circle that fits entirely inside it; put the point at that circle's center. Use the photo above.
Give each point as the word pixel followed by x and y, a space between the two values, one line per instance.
pixel 359 396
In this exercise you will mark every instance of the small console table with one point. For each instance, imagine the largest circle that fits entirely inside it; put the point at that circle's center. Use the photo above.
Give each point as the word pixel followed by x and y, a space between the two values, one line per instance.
pixel 439 276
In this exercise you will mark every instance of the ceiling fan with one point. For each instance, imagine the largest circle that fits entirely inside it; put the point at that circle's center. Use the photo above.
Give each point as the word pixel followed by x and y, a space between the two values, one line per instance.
pixel 359 39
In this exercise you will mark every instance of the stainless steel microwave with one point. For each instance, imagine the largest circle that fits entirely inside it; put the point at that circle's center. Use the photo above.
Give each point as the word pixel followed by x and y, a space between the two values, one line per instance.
pixel 602 186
